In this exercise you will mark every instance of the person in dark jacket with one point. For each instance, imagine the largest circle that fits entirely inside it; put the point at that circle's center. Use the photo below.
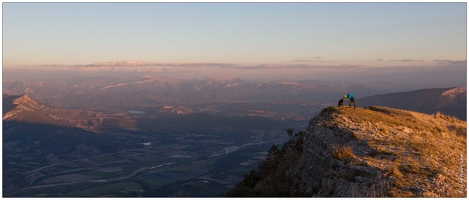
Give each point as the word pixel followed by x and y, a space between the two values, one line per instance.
pixel 351 99
pixel 340 103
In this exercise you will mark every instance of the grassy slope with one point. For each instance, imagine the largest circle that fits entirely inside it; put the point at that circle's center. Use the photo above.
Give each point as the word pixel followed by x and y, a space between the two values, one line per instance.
pixel 418 150
pixel 415 154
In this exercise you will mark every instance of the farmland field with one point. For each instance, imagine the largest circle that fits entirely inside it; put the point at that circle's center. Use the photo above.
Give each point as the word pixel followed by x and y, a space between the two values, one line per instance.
pixel 157 169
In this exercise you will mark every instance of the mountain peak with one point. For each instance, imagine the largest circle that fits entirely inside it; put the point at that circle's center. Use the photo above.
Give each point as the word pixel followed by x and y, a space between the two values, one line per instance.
pixel 452 93
pixel 22 108
pixel 25 100
pixel 392 152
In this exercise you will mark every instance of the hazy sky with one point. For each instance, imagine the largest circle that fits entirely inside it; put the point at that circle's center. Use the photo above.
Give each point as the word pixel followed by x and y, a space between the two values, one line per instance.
pixel 369 34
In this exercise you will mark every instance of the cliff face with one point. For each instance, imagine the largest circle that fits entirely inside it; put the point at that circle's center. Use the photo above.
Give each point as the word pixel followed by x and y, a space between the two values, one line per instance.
pixel 371 152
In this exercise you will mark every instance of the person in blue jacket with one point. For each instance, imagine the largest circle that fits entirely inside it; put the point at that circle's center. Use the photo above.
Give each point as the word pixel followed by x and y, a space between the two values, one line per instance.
pixel 351 99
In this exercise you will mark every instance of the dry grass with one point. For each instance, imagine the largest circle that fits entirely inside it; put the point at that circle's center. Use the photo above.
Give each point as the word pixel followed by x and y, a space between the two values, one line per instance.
pixel 417 148
pixel 438 115
pixel 394 170
pixel 383 129
pixel 458 129
pixel 399 193
pixel 342 152
pixel 411 167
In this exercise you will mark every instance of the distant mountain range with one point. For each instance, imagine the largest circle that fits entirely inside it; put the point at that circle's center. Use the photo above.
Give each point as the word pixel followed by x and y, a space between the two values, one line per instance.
pixel 22 108
pixel 153 90
pixel 449 101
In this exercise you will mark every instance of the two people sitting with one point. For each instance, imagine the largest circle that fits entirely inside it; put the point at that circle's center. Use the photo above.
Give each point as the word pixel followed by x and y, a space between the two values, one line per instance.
pixel 351 100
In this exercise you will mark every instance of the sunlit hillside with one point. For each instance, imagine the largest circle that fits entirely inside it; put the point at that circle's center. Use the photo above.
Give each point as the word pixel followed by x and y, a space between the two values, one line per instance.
pixel 366 152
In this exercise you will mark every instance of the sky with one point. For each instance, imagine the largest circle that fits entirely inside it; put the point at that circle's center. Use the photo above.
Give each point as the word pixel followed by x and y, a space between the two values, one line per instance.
pixel 326 34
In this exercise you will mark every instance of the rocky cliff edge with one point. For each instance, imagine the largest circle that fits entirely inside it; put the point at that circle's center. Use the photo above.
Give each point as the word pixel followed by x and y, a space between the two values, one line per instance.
pixel 366 152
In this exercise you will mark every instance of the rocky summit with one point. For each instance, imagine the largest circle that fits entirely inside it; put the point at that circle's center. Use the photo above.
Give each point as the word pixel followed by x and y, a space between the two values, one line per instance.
pixel 366 152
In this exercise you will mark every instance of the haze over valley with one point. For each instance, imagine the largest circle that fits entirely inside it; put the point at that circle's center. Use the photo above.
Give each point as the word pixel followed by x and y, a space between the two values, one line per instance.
pixel 190 99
